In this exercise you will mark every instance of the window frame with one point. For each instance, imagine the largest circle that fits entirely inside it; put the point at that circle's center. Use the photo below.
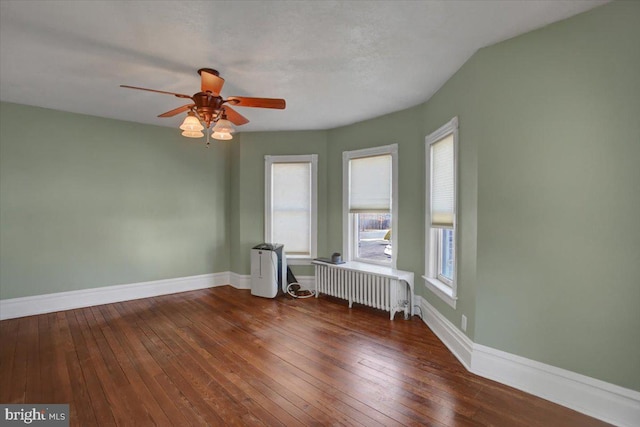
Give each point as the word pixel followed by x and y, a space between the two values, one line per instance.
pixel 349 250
pixel 439 246
pixel 269 160
pixel 448 292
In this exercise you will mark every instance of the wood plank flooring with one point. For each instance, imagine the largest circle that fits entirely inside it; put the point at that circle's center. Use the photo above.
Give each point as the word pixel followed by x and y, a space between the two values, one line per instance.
pixel 223 357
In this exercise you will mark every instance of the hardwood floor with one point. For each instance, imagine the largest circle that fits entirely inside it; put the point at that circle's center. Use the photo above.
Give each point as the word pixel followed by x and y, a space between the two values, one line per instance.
pixel 222 357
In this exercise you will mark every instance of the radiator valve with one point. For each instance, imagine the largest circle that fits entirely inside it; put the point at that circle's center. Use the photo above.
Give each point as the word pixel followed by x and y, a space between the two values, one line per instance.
pixel 407 314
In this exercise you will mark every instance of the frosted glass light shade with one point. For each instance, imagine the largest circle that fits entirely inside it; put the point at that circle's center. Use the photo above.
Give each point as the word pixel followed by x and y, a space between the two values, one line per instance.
pixel 223 129
pixel 193 134
pixel 191 123
pixel 224 126
pixel 223 136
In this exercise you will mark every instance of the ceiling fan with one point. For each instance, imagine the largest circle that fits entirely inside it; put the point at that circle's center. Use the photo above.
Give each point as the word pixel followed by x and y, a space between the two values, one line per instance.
pixel 207 106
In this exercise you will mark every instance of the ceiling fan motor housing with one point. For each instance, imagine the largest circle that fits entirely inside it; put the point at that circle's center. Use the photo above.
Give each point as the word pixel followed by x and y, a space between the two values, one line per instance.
pixel 207 106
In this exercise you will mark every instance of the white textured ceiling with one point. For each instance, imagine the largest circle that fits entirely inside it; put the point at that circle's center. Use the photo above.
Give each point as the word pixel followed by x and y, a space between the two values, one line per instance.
pixel 335 62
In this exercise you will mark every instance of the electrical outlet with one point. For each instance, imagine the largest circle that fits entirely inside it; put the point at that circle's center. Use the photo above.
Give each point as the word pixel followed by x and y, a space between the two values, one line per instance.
pixel 464 323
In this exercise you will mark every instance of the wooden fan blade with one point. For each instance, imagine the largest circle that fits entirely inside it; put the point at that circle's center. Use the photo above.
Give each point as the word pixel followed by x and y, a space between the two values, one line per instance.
pixel 211 82
pixel 177 110
pixel 234 117
pixel 179 95
pixel 243 101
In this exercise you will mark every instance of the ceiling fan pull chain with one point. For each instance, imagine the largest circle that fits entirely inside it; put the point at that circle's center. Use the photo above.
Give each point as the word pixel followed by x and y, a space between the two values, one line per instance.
pixel 208 135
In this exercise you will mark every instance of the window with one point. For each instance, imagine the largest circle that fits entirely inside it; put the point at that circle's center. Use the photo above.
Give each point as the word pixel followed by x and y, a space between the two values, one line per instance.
pixel 370 205
pixel 291 205
pixel 441 195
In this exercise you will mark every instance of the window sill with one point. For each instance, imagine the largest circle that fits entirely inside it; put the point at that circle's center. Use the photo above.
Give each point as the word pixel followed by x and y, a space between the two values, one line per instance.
pixel 441 290
pixel 388 264
pixel 299 261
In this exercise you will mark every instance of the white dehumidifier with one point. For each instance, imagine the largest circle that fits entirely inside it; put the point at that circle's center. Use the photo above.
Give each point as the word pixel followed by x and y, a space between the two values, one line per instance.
pixel 268 270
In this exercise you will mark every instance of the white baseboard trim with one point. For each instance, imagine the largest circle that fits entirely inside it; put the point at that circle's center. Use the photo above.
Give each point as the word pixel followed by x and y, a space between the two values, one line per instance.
pixel 240 281
pixel 48 303
pixel 607 402
pixel 459 344
pixel 60 301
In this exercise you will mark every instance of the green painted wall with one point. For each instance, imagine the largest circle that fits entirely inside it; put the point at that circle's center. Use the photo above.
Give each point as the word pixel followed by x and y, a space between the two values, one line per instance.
pixel 558 271
pixel 250 182
pixel 234 207
pixel 88 202
pixel 549 148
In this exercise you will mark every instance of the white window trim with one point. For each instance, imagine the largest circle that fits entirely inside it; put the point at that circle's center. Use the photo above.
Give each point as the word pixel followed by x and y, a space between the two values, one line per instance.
pixel 305 158
pixel 448 293
pixel 347 225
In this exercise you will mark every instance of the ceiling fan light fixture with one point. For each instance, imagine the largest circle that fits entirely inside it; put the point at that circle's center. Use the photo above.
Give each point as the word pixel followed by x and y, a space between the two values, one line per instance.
pixel 224 126
pixel 223 129
pixel 193 134
pixel 222 136
pixel 191 123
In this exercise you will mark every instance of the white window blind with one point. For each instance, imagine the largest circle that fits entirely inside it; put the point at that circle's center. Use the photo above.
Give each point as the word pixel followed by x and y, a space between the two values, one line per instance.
pixel 370 184
pixel 291 204
pixel 442 183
